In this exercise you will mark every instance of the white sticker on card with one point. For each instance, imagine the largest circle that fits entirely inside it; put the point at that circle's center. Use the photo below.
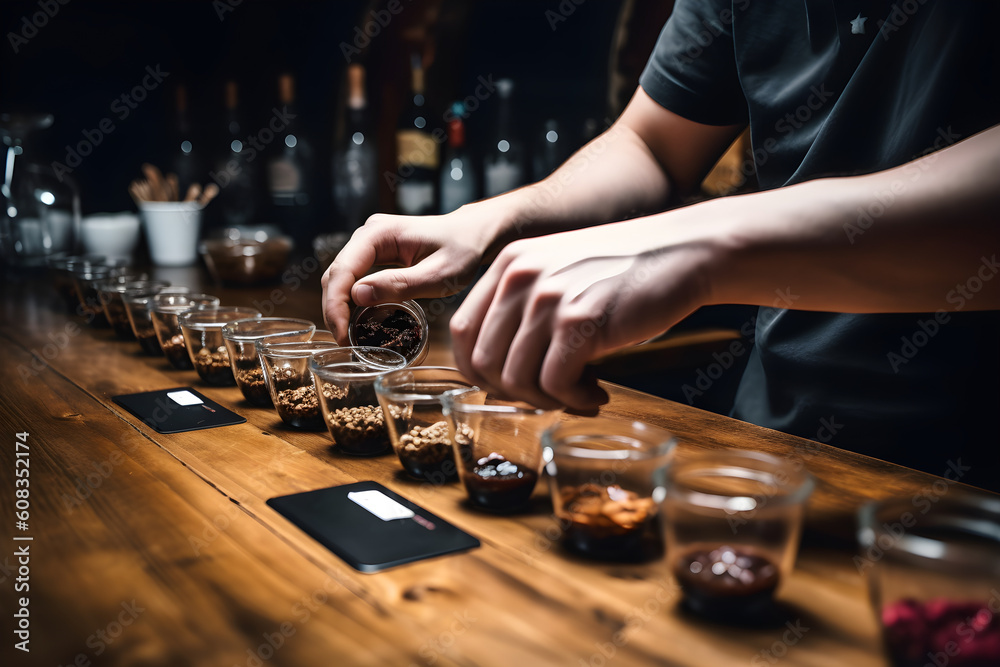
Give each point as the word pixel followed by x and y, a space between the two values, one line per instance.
pixel 380 505
pixel 183 398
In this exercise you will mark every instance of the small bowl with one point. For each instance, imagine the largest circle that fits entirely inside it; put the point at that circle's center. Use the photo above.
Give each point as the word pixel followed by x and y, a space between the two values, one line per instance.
pixel 400 327
pixel 608 479
pixel 242 260
pixel 732 526
pixel 497 447
pixel 289 380
pixel 114 235
pixel 112 293
pixel 419 432
pixel 345 386
pixel 86 276
pixel 167 307
pixel 202 331
pixel 241 338
pixel 139 307
pixel 933 567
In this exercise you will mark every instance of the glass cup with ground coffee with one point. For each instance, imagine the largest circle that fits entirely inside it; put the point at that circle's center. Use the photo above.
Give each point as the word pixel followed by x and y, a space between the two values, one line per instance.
pixel 401 327
pixel 345 387
pixel 411 402
pixel 62 269
pixel 202 331
pixel 607 479
pixel 112 295
pixel 732 522
pixel 86 277
pixel 241 338
pixel 497 447
pixel 932 570
pixel 166 308
pixel 139 307
pixel 289 380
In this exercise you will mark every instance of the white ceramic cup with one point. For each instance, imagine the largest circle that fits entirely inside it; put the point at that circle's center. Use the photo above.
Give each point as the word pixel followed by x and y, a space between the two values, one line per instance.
pixel 113 235
pixel 172 230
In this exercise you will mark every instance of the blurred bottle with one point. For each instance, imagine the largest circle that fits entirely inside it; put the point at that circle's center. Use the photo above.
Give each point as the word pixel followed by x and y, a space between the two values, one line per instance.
pixel 416 152
pixel 551 150
pixel 289 168
pixel 458 173
pixel 185 160
pixel 355 159
pixel 235 205
pixel 503 165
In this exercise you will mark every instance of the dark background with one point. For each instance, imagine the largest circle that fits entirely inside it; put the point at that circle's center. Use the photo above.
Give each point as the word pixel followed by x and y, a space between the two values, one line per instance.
pixel 90 53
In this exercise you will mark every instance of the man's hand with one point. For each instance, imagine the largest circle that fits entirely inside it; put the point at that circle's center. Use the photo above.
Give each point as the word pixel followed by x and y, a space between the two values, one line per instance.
pixel 547 306
pixel 439 255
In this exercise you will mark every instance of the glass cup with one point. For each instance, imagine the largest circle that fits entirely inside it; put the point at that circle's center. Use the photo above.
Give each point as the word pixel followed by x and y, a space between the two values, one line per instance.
pixel 167 306
pixel 411 398
pixel 202 332
pixel 289 380
pixel 345 386
pixel 608 479
pixel 139 307
pixel 61 268
pixel 241 338
pixel 112 293
pixel 401 327
pixel 497 447
pixel 732 526
pixel 933 568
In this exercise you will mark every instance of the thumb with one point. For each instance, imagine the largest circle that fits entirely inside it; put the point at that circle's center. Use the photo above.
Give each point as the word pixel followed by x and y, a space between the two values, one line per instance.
pixel 430 279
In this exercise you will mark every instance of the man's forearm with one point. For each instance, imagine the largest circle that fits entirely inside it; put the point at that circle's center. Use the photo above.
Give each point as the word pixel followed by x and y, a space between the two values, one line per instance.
pixel 612 177
pixel 900 240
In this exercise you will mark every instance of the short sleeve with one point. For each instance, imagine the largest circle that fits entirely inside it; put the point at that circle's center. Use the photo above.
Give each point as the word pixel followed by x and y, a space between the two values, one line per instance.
pixel 692 70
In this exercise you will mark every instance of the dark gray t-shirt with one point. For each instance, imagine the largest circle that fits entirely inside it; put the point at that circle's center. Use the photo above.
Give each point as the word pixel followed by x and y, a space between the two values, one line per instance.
pixel 836 88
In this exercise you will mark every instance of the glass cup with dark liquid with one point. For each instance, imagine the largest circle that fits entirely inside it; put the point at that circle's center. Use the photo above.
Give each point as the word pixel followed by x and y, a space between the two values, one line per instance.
pixel 607 479
pixel 497 447
pixel 732 522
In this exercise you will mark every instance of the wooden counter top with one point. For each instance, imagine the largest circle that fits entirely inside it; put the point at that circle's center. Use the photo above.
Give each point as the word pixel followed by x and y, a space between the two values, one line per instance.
pixel 152 549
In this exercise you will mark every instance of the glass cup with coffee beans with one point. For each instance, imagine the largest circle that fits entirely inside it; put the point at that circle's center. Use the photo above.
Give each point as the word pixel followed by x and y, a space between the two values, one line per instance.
pixel 345 386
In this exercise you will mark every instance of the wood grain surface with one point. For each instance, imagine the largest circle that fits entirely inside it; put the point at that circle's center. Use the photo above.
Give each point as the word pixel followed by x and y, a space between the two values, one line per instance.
pixel 153 549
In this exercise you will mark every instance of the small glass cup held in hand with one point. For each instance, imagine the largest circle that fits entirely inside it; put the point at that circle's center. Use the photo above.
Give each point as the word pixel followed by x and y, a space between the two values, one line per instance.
pixel 202 331
pixel 290 382
pixel 732 522
pixel 166 307
pixel 411 404
pixel 401 327
pixel 112 295
pixel 608 479
pixel 345 386
pixel 241 338
pixel 933 573
pixel 497 447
